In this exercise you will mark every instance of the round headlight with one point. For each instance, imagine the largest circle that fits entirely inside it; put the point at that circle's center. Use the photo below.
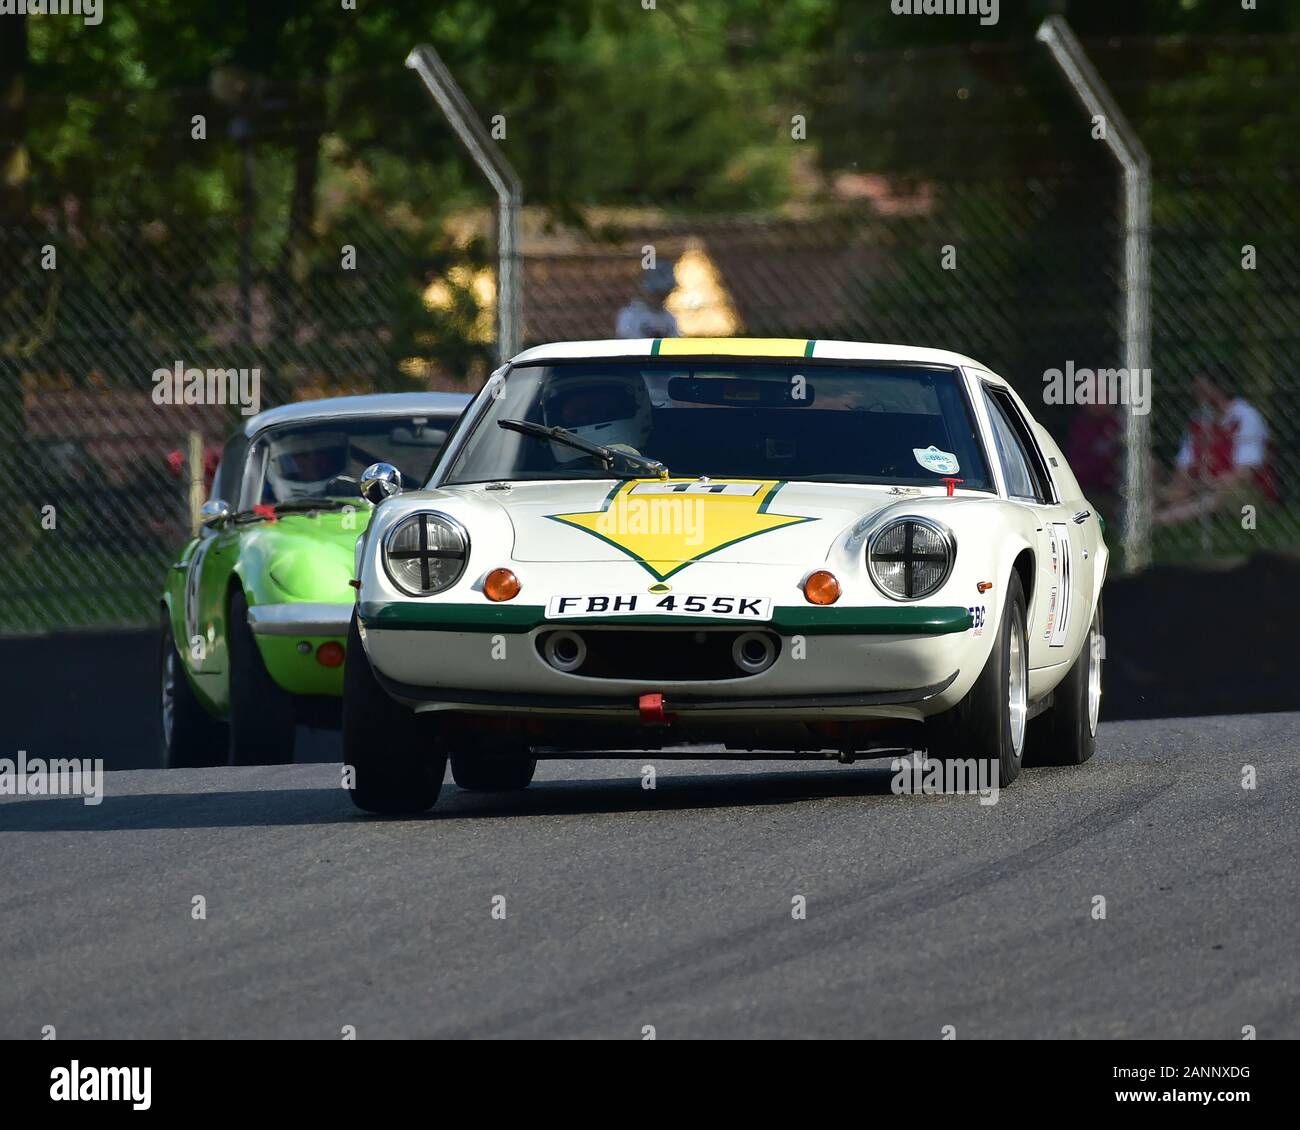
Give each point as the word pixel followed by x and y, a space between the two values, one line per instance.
pixel 911 558
pixel 425 553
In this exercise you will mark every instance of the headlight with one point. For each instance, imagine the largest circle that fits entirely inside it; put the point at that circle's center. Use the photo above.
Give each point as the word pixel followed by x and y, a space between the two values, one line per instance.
pixel 425 553
pixel 911 557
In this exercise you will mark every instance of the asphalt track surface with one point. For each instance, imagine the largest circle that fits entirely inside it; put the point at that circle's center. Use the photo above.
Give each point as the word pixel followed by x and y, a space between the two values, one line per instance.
pixel 673 908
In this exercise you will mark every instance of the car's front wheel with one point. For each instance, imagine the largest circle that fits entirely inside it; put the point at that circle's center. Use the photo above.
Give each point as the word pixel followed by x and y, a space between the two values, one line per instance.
pixel 190 737
pixel 989 724
pixel 493 773
pixel 392 754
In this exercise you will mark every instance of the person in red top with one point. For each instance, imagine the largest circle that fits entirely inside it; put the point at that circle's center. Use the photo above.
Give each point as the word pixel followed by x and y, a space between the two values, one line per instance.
pixel 1095 448
pixel 211 457
pixel 1223 460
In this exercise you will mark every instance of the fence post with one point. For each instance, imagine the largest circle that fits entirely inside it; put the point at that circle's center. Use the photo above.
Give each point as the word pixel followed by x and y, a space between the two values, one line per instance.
pixel 1128 149
pixel 492 164
pixel 194 468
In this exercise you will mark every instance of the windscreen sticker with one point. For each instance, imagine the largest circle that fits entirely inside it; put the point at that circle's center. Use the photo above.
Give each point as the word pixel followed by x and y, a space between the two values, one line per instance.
pixel 940 462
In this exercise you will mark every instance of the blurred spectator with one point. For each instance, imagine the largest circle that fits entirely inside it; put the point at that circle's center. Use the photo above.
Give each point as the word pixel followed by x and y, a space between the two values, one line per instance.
pixel 646 315
pixel 211 457
pixel 1095 448
pixel 1223 460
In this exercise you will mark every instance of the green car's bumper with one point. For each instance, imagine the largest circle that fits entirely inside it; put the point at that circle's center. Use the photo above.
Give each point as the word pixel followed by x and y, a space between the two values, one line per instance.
pixel 291 637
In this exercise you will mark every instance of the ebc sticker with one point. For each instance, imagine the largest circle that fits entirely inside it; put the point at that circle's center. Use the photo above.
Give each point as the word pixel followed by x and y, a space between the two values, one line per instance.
pixel 932 459
pixel 978 617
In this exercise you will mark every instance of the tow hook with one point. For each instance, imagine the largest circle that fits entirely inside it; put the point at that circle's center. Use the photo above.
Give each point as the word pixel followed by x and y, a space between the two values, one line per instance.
pixel 652 710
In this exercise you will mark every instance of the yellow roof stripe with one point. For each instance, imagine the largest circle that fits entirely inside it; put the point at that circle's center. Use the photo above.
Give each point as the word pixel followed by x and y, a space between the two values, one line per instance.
pixel 733 347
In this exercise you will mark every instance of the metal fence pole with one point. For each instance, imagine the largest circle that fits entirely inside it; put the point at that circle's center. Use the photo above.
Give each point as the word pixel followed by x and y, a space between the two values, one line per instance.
pixel 1128 149
pixel 195 490
pixel 492 163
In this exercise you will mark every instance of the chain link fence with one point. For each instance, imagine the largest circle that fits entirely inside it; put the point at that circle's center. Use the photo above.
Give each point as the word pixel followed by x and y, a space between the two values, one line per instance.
pixel 102 467
pixel 1024 276
pixel 958 201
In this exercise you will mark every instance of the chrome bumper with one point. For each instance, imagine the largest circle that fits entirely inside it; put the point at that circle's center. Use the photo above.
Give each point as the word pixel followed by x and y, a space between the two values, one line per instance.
pixel 300 619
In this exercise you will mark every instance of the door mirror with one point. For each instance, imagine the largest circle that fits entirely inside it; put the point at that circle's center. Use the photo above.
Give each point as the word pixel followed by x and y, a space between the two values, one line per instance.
pixel 214 514
pixel 380 481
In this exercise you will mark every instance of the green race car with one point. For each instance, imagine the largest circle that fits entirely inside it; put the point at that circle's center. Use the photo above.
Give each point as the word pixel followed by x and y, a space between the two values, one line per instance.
pixel 256 609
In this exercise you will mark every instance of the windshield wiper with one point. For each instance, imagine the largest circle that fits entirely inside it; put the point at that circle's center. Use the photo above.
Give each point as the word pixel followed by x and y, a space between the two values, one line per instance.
pixel 607 455
pixel 294 505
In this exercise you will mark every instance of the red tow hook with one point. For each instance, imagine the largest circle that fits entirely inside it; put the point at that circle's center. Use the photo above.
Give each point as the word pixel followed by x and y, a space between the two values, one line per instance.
pixel 652 710
pixel 952 483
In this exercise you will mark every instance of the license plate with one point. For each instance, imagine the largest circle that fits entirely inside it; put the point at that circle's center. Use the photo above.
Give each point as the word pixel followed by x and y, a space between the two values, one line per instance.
pixel 660 604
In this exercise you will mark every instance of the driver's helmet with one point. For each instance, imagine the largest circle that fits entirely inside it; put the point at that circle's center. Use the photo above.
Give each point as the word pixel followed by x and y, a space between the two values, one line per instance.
pixel 612 411
pixel 301 466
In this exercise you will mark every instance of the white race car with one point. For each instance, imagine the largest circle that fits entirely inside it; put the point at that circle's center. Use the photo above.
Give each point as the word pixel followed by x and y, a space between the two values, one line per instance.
pixel 809 548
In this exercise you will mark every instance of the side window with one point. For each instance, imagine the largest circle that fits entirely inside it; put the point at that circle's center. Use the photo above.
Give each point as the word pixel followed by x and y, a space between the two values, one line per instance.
pixel 250 493
pixel 225 483
pixel 1021 463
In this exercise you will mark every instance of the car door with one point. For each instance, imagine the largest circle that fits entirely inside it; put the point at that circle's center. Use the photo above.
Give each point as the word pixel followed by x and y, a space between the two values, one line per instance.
pixel 207 579
pixel 1059 616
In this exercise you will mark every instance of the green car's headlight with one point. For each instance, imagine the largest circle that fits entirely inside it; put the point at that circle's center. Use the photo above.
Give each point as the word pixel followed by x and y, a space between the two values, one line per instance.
pixel 425 553
pixel 911 557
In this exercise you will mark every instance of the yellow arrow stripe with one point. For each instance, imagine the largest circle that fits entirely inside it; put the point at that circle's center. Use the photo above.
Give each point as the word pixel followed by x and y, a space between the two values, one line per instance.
pixel 666 532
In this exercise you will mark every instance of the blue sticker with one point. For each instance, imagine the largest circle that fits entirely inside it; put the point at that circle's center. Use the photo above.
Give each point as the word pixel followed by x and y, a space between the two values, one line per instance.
pixel 932 459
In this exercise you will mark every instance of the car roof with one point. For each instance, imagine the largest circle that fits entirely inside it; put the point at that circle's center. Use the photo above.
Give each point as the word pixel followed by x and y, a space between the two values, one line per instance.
pixel 351 407
pixel 749 347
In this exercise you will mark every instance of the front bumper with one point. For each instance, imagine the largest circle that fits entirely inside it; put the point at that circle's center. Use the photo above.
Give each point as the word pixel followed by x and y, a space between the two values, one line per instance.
pixel 910 619
pixel 301 620
pixel 902 662
pixel 680 703
pixel 290 638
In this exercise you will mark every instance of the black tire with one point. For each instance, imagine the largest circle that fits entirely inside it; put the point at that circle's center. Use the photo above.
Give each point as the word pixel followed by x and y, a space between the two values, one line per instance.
pixel 493 772
pixel 396 760
pixel 261 714
pixel 981 725
pixel 190 738
pixel 1065 734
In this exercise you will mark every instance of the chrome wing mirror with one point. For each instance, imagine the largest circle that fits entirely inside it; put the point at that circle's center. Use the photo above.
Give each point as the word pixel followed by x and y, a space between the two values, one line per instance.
pixel 380 481
pixel 214 514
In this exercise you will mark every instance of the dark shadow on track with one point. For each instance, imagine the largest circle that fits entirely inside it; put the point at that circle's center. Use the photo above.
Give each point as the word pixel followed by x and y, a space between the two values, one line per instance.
pixel 290 807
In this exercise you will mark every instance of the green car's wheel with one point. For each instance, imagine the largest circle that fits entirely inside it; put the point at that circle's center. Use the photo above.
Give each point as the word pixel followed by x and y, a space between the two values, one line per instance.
pixel 989 724
pixel 493 773
pixel 190 737
pixel 261 714
pixel 393 753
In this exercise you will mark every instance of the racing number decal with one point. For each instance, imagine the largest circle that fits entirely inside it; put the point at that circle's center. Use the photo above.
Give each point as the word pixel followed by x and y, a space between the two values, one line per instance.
pixel 1058 611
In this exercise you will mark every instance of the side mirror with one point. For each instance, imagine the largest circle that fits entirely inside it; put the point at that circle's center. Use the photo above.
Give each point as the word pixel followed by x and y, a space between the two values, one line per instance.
pixel 380 481
pixel 214 514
